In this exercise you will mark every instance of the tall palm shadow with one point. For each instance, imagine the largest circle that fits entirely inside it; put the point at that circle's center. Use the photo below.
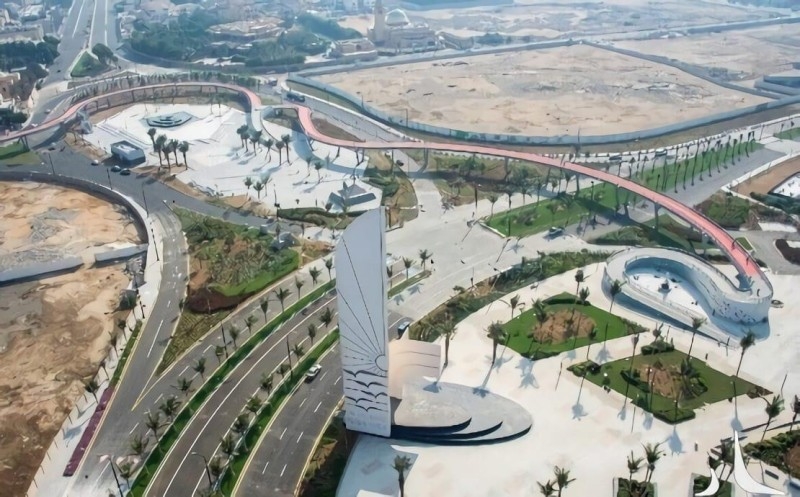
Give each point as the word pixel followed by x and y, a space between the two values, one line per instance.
pixel 647 422
pixel 674 442
pixel 526 368
pixel 578 411
pixel 603 355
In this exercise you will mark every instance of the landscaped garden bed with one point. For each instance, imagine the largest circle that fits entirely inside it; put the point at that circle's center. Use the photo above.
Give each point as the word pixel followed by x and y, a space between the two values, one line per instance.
pixel 791 254
pixel 565 326
pixel 328 461
pixel 781 451
pixel 664 381
pixel 700 483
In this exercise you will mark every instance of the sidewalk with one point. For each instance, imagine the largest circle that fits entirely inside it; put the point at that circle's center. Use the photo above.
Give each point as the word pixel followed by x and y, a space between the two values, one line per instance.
pixel 50 481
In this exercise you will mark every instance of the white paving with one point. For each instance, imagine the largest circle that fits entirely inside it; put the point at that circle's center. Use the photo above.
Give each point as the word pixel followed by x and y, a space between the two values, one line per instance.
pixel 219 164
pixel 586 430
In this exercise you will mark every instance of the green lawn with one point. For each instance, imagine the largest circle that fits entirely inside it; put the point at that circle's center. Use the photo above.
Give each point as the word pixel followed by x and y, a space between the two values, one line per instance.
pixel 19 154
pixel 789 134
pixel 774 451
pixel 87 66
pixel 745 243
pixel 701 483
pixel 603 198
pixel 670 234
pixel 608 327
pixel 727 210
pixel 716 386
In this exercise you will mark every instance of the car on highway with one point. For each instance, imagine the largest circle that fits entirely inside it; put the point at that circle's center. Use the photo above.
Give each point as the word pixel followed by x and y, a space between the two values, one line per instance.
pixel 116 169
pixel 125 172
pixel 95 162
pixel 403 326
pixel 312 372
pixel 47 111
pixel 295 97
pixel 661 152
pixel 555 231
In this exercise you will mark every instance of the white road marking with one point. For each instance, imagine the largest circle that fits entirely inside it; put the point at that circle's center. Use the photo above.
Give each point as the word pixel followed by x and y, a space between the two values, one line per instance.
pixel 265 468
pixel 159 398
pixel 155 337
pixel 323 375
pixel 337 380
pixel 169 302
pixel 206 349
pixel 301 403
pixel 100 475
pixel 282 434
pixel 283 470
pixel 134 428
pixel 184 370
pixel 78 19
pixel 316 408
pixel 299 437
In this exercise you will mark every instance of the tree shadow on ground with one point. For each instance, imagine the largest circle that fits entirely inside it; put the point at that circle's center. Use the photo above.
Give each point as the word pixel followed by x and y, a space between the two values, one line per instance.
pixel 674 442
pixel 526 368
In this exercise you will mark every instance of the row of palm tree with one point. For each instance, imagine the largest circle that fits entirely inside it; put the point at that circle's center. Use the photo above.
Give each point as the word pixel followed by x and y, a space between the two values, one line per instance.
pixel 555 487
pixel 408 263
pixel 256 138
pixel 164 146
pixel 652 454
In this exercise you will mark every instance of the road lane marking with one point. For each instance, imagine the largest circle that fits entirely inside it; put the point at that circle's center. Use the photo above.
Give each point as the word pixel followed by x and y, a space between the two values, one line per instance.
pixel 323 375
pixel 337 380
pixel 206 349
pixel 169 302
pixel 132 429
pixel 299 437
pixel 78 19
pixel 265 468
pixel 100 475
pixel 155 338
pixel 183 371
pixel 301 403
pixel 316 408
pixel 282 434
pixel 283 470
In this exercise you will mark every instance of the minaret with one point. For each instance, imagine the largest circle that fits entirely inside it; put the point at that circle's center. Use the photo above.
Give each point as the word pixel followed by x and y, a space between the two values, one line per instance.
pixel 379 23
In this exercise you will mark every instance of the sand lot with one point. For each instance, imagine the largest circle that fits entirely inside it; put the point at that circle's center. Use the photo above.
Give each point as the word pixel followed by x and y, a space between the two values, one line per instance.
pixel 746 54
pixel 555 18
pixel 542 92
pixel 766 181
pixel 53 331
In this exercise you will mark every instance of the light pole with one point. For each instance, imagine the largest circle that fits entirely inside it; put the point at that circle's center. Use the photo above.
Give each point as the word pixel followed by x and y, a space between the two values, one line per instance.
pixel 109 179
pixel 110 458
pixel 50 159
pixel 205 463
pixel 144 199
pixel 155 244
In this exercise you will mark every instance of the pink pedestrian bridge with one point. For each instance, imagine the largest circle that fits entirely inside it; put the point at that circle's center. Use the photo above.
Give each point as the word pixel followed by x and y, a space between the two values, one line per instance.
pixel 747 267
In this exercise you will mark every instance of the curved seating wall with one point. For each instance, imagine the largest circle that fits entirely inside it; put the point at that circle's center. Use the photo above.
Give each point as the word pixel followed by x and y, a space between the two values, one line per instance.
pixel 722 298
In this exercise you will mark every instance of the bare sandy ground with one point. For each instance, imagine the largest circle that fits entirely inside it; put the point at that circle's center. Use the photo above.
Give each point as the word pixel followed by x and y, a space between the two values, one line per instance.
pixel 747 54
pixel 554 18
pixel 766 181
pixel 53 332
pixel 541 92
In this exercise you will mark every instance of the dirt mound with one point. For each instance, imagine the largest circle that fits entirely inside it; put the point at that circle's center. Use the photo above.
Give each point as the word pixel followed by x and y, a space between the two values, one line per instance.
pixel 661 378
pixel 206 301
pixel 562 326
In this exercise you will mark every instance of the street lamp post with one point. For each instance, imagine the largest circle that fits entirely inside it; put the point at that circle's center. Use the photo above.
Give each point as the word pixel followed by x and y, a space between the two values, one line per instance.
pixel 144 199
pixel 50 159
pixel 110 458
pixel 109 180
pixel 205 463
pixel 155 244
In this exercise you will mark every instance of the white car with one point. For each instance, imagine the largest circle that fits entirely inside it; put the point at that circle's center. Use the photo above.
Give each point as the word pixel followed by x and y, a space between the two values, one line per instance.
pixel 313 371
pixel 95 162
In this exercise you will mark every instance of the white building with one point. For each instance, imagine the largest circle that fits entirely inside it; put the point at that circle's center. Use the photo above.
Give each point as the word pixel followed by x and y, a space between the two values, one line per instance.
pixel 127 152
pixel 395 31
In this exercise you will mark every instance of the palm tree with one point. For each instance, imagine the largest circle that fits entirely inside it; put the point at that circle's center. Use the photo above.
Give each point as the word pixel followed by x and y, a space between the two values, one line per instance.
pixel 279 147
pixel 264 305
pixel 746 342
pixel 152 134
pixel 579 278
pixel 795 410
pixel 424 255
pixel 258 187
pixel 254 404
pixel 216 467
pixel 138 444
pixel 92 387
pixel 240 426
pixel 616 289
pixel 327 317
pixel 126 471
pixel 227 445
pixel 401 465
pixel 773 409
pixel 200 367
pixel 234 331
pixel 513 303
pixel 329 266
pixel 634 465
pixel 282 294
pixel 250 321
pixel 299 350
pixel 158 147
pixel 314 273
pixel 448 329
pixel 312 332
pixel 268 143
pixel 652 453
pixel 153 422
pixel 696 324
pixel 266 382
pixel 184 385
pixel 170 407
pixel 497 334
pixel 298 283
pixel 248 182
pixel 492 199
pixel 562 479
pixel 183 147
pixel 547 489
pixel 407 263
pixel 286 140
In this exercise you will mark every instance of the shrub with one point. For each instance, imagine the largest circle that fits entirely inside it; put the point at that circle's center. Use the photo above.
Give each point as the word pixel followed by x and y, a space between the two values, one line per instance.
pixel 657 347
pixel 635 381
pixel 670 416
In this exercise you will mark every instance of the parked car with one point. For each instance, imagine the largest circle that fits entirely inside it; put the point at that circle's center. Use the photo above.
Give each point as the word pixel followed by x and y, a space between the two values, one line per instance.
pixel 295 97
pixel 125 172
pixel 555 231
pixel 116 169
pixel 313 371
pixel 403 326
pixel 95 162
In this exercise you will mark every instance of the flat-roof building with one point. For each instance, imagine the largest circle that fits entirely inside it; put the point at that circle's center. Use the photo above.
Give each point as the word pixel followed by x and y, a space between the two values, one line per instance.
pixel 127 152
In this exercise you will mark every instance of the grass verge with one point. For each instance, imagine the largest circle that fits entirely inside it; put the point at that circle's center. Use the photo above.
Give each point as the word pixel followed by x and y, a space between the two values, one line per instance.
pixel 672 391
pixel 789 134
pixel 170 436
pixel 781 451
pixel 745 243
pixel 87 66
pixel 328 461
pixel 123 359
pixel 408 282
pixel 278 397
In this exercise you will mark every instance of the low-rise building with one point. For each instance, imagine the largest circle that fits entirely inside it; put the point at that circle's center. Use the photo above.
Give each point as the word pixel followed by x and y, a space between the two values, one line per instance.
pixel 350 47
pixel 7 82
pixel 17 32
pixel 127 152
pixel 245 31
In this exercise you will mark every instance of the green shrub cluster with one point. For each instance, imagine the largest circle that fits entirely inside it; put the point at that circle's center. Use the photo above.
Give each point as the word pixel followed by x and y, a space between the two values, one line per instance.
pixel 774 451
pixel 657 347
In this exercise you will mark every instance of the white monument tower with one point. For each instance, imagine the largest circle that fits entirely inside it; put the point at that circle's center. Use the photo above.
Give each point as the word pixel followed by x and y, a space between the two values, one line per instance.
pixel 361 284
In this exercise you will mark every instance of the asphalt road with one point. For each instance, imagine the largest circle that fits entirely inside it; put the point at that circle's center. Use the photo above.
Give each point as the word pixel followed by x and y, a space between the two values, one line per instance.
pixel 176 477
pixel 278 463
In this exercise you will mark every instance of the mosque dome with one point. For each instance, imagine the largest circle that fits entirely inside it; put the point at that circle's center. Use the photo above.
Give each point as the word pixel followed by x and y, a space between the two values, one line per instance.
pixel 397 18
